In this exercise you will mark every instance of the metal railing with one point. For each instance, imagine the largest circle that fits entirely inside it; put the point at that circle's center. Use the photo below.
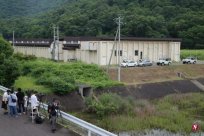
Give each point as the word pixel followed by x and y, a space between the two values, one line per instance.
pixel 90 129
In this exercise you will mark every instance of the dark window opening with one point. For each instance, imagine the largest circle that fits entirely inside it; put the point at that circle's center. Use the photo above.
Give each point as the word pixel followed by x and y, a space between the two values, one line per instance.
pixel 121 53
pixel 136 52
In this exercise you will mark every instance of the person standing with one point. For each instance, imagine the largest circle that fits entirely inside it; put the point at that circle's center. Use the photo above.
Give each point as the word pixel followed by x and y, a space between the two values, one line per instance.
pixel 34 102
pixel 20 96
pixel 12 101
pixel 53 114
pixel 5 101
pixel 26 102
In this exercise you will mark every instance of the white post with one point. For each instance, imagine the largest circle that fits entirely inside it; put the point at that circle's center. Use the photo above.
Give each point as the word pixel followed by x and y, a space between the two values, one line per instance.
pixel 89 133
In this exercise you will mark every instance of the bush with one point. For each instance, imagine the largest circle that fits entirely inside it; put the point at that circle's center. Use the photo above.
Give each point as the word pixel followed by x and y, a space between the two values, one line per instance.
pixel 45 72
pixel 21 56
pixel 59 85
pixel 108 104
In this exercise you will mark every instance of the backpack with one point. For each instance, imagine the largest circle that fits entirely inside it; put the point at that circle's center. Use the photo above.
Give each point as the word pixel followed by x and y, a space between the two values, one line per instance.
pixel 12 99
pixel 39 119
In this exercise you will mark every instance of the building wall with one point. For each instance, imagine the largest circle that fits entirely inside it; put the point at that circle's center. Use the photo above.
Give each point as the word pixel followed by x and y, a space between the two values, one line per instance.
pixel 37 51
pixel 152 50
pixel 99 52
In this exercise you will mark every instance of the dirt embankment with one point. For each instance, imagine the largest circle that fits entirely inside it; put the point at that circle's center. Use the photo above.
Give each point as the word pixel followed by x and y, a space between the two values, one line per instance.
pixel 143 83
pixel 142 75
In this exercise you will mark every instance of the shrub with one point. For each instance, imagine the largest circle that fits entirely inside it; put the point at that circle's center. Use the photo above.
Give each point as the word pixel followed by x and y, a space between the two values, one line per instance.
pixel 107 104
pixel 21 56
pixel 61 87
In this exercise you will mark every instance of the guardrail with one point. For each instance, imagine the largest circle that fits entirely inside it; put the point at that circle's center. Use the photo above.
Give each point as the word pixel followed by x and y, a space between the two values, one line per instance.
pixel 91 129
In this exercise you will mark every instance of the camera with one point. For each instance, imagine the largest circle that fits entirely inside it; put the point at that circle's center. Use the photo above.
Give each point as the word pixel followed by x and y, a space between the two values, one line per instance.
pixel 40 96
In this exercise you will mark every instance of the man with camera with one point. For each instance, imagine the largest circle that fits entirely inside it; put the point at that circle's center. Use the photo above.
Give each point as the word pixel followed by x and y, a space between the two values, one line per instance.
pixel 52 110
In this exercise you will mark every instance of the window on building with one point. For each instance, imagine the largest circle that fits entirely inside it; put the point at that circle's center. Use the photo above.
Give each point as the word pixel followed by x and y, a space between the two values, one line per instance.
pixel 136 52
pixel 121 53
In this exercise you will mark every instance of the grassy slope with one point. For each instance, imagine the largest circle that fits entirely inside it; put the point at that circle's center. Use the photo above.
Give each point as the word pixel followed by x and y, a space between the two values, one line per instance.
pixel 174 113
pixel 28 83
pixel 197 53
pixel 80 72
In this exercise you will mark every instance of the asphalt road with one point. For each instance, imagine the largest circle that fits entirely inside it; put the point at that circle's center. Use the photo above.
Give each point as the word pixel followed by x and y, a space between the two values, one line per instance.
pixel 22 126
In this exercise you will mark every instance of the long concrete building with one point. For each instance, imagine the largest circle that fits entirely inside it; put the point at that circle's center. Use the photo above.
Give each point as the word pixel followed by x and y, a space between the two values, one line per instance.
pixel 98 50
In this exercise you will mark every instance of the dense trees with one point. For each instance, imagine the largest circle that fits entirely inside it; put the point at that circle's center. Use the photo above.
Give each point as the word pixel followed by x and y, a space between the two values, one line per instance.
pixel 142 18
pixel 8 65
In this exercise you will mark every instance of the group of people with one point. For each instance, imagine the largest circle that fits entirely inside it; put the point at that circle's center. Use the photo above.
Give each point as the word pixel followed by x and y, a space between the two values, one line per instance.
pixel 14 103
pixel 17 103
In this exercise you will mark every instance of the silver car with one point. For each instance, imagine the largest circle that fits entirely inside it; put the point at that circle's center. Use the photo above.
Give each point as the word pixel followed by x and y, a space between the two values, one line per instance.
pixel 143 63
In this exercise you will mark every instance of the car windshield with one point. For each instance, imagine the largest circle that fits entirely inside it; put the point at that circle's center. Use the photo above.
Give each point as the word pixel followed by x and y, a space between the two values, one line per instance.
pixel 190 58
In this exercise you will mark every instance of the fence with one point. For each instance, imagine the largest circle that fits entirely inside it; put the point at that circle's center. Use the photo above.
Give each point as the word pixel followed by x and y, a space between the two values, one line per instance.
pixel 77 125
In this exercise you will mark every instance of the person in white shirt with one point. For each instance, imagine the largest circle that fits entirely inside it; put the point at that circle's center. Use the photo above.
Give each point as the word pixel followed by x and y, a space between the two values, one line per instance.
pixel 34 101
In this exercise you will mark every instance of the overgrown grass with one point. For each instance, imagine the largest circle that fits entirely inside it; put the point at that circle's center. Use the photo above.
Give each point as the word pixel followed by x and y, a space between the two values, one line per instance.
pixel 197 53
pixel 28 83
pixel 175 113
pixel 63 77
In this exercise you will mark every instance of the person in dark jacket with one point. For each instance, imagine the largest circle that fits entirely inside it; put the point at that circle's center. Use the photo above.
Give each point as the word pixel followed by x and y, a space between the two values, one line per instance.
pixel 20 95
pixel 53 113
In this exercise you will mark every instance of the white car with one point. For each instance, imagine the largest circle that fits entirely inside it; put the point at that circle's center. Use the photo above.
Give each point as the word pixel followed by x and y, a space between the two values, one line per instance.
pixel 164 61
pixel 189 60
pixel 128 63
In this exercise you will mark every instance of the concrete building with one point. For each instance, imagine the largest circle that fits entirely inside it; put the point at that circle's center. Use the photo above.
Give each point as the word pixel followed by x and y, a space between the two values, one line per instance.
pixel 98 50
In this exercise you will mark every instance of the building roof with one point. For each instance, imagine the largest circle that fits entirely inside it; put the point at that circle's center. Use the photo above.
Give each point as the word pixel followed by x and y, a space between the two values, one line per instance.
pixel 122 39
pixel 32 42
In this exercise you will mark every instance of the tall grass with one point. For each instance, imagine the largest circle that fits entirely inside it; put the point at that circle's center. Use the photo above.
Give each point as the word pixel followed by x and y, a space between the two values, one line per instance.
pixel 63 77
pixel 175 113
pixel 197 53
pixel 28 83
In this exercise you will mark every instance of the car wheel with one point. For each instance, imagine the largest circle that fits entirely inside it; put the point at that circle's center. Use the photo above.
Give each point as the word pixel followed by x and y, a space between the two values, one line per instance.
pixel 194 62
pixel 135 65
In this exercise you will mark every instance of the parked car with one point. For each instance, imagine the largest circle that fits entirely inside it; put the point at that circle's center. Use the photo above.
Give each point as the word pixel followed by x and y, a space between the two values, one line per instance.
pixel 164 61
pixel 189 60
pixel 128 63
pixel 143 63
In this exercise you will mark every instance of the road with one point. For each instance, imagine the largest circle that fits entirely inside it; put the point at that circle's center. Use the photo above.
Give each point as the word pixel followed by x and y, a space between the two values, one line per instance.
pixel 23 126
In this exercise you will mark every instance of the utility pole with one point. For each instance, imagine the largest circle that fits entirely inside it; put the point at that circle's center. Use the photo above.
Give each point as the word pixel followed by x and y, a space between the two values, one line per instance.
pixel 113 49
pixel 118 21
pixel 118 49
pixel 55 43
pixel 13 38
pixel 58 41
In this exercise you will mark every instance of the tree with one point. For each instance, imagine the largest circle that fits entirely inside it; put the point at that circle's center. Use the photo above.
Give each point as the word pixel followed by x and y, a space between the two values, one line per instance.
pixel 9 68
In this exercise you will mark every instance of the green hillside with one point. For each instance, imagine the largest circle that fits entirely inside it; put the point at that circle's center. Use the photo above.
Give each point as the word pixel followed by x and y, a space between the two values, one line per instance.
pixel 15 8
pixel 141 18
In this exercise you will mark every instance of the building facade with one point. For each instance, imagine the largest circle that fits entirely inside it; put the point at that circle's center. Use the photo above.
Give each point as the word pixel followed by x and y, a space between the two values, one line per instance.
pixel 98 50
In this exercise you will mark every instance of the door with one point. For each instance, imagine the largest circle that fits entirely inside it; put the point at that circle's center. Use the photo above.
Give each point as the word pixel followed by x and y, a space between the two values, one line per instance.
pixel 141 55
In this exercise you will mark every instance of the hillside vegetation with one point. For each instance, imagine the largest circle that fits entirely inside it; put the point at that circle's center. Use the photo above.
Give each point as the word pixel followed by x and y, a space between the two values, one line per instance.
pixel 141 18
pixel 61 78
pixel 16 8
pixel 175 113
